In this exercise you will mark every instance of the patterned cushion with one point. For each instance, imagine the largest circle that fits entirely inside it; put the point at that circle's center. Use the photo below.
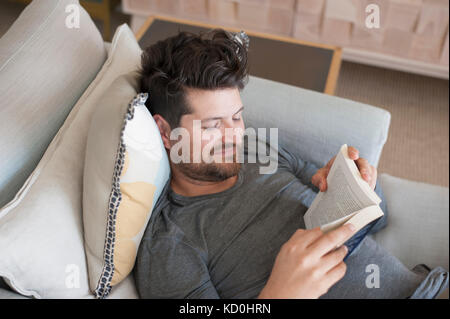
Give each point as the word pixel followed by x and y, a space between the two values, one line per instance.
pixel 126 168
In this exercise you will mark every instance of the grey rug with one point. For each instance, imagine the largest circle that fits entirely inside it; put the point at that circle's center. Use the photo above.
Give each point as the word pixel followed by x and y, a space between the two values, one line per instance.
pixel 418 142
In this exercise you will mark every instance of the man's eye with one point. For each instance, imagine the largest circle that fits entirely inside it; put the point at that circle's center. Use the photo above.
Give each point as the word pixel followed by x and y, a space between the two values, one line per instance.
pixel 237 119
pixel 211 127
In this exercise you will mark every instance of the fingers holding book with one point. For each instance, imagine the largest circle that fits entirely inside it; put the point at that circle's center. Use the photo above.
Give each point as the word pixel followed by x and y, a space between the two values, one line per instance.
pixel 367 171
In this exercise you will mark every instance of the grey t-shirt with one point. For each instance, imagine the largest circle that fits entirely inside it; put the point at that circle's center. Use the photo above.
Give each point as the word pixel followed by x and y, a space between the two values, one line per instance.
pixel 224 245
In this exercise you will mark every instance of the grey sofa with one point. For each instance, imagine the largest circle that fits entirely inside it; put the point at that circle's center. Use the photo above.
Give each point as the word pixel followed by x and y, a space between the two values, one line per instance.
pixel 314 125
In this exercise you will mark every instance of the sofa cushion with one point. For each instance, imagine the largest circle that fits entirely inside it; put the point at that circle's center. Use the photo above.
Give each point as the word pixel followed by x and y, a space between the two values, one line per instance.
pixel 41 230
pixel 8 294
pixel 44 69
pixel 126 168
pixel 418 228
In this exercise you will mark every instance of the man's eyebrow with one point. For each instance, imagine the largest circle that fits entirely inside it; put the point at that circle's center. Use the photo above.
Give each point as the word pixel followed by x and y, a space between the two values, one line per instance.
pixel 242 107
pixel 219 117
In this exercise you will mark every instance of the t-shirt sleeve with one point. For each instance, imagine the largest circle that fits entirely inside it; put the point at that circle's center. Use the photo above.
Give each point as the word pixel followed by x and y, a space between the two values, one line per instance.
pixel 170 268
pixel 302 169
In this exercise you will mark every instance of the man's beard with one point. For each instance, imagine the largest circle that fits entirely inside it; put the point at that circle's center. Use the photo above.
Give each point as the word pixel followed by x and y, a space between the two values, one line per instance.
pixel 211 172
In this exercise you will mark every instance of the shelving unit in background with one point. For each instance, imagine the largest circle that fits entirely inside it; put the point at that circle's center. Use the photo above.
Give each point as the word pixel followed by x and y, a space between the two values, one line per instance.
pixel 413 34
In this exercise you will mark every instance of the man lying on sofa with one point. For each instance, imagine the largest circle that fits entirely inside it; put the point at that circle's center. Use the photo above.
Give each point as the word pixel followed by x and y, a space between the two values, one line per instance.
pixel 221 229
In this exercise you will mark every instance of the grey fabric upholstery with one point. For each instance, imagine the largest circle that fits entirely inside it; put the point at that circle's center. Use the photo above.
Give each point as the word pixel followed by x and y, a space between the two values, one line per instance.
pixel 315 125
pixel 418 224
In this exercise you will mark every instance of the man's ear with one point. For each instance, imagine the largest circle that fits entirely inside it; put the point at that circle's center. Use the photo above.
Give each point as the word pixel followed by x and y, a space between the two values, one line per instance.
pixel 164 129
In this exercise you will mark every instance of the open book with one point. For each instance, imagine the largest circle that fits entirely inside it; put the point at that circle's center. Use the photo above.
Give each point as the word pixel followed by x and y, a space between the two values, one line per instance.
pixel 348 198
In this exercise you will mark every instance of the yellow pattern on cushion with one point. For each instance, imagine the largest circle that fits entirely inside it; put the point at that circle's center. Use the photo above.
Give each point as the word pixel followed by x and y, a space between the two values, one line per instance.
pixel 136 204
pixel 125 251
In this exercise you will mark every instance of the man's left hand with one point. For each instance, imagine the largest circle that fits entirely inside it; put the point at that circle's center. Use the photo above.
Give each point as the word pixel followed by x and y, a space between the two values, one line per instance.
pixel 368 172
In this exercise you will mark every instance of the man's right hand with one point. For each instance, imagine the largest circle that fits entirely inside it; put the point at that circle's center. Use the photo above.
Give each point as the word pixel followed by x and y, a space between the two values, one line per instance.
pixel 308 264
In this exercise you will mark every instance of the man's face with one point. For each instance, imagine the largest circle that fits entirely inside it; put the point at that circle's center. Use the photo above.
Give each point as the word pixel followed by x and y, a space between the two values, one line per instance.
pixel 216 124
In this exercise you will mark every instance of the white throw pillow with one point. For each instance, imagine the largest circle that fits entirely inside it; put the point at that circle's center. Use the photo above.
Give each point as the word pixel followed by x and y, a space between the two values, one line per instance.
pixel 41 230
pixel 126 168
pixel 44 69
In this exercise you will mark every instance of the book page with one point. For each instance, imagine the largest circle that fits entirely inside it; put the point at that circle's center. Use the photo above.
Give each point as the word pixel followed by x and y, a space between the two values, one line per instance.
pixel 359 219
pixel 365 216
pixel 344 195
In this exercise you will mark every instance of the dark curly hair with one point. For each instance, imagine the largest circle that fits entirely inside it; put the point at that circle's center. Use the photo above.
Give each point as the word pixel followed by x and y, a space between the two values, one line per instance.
pixel 209 60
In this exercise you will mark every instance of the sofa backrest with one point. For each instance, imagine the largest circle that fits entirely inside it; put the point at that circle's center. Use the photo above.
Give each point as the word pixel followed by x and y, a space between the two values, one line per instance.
pixel 315 125
pixel 45 66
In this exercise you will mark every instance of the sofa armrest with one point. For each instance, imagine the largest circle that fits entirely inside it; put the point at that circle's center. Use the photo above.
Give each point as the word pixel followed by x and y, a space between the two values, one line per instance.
pixel 315 125
pixel 417 231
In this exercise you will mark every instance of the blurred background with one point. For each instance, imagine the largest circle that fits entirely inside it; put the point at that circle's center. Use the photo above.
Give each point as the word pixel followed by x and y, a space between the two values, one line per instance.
pixel 401 67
